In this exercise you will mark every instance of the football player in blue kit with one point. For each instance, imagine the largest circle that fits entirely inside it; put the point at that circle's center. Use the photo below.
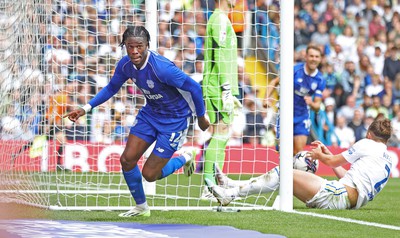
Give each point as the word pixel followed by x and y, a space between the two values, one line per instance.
pixel 308 87
pixel 172 98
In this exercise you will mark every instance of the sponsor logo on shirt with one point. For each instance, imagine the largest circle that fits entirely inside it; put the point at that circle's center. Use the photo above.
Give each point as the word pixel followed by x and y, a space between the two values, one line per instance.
pixel 153 96
pixel 302 91
pixel 148 94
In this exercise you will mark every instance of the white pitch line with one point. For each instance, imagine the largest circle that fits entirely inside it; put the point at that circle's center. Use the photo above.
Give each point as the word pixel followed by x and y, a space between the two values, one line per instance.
pixel 349 220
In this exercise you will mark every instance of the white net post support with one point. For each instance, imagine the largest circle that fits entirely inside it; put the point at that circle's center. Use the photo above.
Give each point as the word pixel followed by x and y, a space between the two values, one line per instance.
pixel 286 107
pixel 151 25
pixel 21 90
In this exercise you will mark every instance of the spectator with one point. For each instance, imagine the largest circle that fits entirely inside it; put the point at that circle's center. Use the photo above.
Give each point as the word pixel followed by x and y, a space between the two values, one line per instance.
pixel 387 103
pixel 394 28
pixel 396 89
pixel 365 70
pixel 238 19
pixel 392 64
pixel 321 36
pixel 330 109
pixel 345 135
pixel 376 87
pixel 377 108
pixel 101 118
pixel 357 122
pixel 387 91
pixel 11 127
pixel 367 102
pixel 356 7
pixel 387 16
pixel 347 111
pixel 349 75
pixel 332 79
pixel 377 60
pixel 323 121
pixel 301 34
pixel 347 41
pixel 198 69
pixel 337 59
pixel 339 95
pixel 361 132
pixel 368 12
pixel 254 124
pixel 396 127
pixel 376 26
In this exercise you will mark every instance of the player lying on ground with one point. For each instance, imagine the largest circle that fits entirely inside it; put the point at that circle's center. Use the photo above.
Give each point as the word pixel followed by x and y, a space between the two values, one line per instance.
pixel 368 174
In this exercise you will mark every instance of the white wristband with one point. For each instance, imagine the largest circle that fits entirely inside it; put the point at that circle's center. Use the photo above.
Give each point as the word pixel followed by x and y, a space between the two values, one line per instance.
pixel 87 108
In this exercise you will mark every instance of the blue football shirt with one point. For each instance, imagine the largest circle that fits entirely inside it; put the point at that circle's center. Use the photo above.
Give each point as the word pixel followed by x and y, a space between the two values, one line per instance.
pixel 160 81
pixel 305 84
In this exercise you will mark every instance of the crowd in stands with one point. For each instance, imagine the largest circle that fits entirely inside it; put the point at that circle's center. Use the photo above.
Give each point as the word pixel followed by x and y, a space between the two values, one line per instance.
pixel 360 41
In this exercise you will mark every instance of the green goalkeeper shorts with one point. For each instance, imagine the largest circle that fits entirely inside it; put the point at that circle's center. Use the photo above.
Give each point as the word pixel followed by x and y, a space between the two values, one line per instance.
pixel 215 113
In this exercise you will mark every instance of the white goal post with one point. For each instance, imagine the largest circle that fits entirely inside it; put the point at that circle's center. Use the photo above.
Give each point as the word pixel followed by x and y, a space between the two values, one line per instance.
pixel 57 54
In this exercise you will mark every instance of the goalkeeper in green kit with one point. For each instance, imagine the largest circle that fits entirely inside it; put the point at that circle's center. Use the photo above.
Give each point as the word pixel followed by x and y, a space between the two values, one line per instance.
pixel 220 85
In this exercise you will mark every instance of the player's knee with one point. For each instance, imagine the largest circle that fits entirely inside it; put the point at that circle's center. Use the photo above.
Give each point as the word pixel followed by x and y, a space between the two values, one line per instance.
pixel 126 163
pixel 150 176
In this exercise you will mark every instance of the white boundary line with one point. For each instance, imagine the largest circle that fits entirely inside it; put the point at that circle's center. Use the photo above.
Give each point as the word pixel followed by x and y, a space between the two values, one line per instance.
pixel 349 220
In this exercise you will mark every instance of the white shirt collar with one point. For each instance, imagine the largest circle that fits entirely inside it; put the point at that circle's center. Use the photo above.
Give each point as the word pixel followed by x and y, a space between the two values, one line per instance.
pixel 313 74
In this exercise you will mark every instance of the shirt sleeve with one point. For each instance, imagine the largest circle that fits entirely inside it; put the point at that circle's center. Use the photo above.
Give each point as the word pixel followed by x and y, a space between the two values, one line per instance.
pixel 354 152
pixel 195 90
pixel 116 82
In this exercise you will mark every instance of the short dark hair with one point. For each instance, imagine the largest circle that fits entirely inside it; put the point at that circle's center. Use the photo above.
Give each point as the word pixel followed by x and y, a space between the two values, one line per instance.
pixel 135 31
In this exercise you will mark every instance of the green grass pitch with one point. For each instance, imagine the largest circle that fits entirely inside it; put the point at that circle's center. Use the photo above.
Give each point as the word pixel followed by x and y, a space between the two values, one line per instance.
pixel 385 209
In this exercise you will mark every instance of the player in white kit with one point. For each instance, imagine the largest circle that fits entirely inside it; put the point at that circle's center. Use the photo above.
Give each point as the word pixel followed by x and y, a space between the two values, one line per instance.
pixel 368 174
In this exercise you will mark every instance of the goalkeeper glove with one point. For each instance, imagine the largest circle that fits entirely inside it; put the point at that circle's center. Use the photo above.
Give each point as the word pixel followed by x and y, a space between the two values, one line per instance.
pixel 229 102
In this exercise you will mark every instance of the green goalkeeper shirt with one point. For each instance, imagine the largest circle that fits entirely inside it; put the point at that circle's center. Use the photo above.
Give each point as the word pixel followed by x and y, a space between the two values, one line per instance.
pixel 220 56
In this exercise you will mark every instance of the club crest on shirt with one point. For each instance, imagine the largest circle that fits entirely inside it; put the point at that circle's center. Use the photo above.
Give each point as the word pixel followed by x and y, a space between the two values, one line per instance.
pixel 314 85
pixel 150 83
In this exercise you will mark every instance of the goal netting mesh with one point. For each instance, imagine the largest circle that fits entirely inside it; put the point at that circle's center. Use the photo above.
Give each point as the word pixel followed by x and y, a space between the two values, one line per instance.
pixel 56 55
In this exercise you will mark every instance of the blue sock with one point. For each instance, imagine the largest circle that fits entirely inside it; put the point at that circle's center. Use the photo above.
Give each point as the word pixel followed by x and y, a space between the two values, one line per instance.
pixel 133 179
pixel 173 165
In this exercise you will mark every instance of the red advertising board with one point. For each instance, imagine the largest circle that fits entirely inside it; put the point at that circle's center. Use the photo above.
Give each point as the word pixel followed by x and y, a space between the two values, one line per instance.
pixel 88 157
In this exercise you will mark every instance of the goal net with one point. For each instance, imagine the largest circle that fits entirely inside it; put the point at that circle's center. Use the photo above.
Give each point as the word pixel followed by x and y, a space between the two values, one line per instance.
pixel 56 55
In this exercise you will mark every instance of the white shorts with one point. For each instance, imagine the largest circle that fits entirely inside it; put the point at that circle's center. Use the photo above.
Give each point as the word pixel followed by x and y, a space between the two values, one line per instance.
pixel 332 195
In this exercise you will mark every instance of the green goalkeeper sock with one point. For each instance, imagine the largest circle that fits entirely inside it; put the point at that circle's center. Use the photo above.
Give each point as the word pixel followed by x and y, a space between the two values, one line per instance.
pixel 215 152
